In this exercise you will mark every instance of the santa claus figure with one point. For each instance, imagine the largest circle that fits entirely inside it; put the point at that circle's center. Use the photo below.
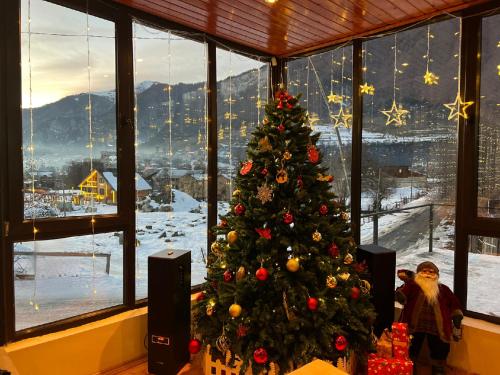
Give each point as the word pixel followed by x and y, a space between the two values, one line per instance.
pixel 431 311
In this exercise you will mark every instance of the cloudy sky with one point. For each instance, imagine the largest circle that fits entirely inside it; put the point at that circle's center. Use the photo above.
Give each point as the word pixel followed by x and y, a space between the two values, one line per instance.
pixel 60 52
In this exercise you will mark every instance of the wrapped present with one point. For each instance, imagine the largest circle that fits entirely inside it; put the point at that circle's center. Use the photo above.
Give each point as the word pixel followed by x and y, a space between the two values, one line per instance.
pixel 400 332
pixel 389 366
pixel 400 349
pixel 384 345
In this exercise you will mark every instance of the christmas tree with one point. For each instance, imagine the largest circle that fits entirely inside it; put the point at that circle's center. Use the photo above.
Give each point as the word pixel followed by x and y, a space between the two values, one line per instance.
pixel 282 283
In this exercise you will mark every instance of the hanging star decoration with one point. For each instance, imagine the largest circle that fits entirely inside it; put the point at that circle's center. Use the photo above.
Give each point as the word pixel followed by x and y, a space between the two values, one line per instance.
pixel 313 118
pixel 367 89
pixel 430 78
pixel 458 108
pixel 264 193
pixel 342 118
pixel 221 133
pixel 396 115
pixel 498 68
pixel 334 98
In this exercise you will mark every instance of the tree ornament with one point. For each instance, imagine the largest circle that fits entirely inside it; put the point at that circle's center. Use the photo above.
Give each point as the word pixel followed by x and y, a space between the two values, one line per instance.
pixel 265 121
pixel 316 236
pixel 331 281
pixel 289 105
pixel 264 171
pixel 324 178
pixel 262 274
pixel 264 145
pixel 312 303
pixel 235 310
pixel 355 292
pixel 323 209
pixel 281 128
pixel 232 237
pixel 241 273
pixel 289 314
pixel 216 248
pixel 242 331
pixel 287 155
pixel 264 233
pixel 200 296
pixel 458 108
pixel 260 356
pixel 344 216
pixel 282 176
pixel 223 223
pixel 287 218
pixel 365 287
pixel 194 346
pixel 280 105
pixel 236 193
pixel 333 250
pixel 312 154
pixel 344 276
pixel 340 343
pixel 246 167
pixel 293 264
pixel 264 193
pixel 223 343
pixel 348 259
pixel 210 310
pixel 239 209
pixel 228 276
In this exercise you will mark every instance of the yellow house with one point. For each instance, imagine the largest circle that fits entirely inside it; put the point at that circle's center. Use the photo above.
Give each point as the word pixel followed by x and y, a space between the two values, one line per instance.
pixel 103 187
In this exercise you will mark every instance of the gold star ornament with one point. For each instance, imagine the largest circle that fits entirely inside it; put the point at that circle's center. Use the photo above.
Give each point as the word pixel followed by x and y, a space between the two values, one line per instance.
pixel 342 118
pixel 264 193
pixel 333 98
pixel 458 108
pixel 396 115
pixel 367 89
pixel 430 78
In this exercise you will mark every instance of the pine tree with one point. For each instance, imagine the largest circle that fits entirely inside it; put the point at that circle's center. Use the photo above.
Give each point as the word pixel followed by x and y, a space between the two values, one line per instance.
pixel 282 284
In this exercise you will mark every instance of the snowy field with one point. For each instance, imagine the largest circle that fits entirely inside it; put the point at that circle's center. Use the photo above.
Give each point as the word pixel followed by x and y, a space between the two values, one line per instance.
pixel 67 286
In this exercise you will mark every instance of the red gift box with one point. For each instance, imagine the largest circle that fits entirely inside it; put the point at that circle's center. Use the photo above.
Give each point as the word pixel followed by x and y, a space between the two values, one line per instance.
pixel 400 332
pixel 385 366
pixel 400 349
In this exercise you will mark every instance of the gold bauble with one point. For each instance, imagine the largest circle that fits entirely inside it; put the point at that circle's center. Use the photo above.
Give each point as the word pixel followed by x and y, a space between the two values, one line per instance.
pixel 287 155
pixel 236 193
pixel 344 276
pixel 331 281
pixel 345 216
pixel 293 264
pixel 281 176
pixel 216 248
pixel 365 287
pixel 232 237
pixel 210 310
pixel 241 273
pixel 316 236
pixel 348 259
pixel 235 310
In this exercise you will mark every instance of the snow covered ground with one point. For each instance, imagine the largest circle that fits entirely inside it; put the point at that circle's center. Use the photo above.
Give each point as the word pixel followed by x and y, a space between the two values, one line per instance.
pixel 68 286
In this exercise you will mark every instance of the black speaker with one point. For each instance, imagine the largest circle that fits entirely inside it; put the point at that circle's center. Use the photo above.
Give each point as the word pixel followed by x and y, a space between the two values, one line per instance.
pixel 381 264
pixel 169 311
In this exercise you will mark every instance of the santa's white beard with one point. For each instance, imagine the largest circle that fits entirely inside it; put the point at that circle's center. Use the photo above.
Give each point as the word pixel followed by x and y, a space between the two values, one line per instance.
pixel 429 286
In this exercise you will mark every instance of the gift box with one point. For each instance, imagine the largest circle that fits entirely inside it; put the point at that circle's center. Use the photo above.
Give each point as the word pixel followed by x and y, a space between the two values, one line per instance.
pixel 400 332
pixel 389 366
pixel 400 349
pixel 384 345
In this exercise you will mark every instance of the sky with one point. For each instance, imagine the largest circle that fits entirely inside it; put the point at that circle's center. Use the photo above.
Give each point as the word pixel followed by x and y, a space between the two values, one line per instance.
pixel 55 55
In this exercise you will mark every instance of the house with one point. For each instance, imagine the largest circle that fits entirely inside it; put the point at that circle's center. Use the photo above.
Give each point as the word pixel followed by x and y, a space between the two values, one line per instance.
pixel 103 187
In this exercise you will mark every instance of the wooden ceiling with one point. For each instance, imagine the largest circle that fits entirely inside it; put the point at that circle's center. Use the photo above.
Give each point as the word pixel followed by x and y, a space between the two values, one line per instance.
pixel 290 27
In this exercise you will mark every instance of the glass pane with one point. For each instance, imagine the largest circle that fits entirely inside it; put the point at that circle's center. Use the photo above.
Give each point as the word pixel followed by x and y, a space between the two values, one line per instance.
pixel 68 112
pixel 58 279
pixel 483 264
pixel 171 149
pixel 489 123
pixel 325 83
pixel 409 154
pixel 241 98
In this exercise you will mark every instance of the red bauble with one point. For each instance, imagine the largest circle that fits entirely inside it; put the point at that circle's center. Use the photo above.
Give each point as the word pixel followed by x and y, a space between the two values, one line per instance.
pixel 262 274
pixel 300 183
pixel 340 343
pixel 194 346
pixel 260 356
pixel 239 209
pixel 264 171
pixel 264 232
pixel 228 276
pixel 312 154
pixel 312 303
pixel 281 128
pixel 289 105
pixel 323 209
pixel 223 223
pixel 201 296
pixel 355 292
pixel 333 250
pixel 280 105
pixel 287 218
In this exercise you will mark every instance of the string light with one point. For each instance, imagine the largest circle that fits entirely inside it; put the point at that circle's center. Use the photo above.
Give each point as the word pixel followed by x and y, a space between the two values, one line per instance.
pixel 342 117
pixel 397 114
pixel 230 124
pixel 170 152
pixel 429 77
pixel 333 98
pixel 366 88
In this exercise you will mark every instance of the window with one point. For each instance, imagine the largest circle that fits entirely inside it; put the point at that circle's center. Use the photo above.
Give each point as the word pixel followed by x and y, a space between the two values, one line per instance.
pixel 69 110
pixel 489 125
pixel 409 155
pixel 241 97
pixel 325 83
pixel 171 149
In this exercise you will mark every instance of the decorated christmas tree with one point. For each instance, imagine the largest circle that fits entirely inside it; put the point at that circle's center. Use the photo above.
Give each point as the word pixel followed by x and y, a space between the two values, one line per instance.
pixel 282 283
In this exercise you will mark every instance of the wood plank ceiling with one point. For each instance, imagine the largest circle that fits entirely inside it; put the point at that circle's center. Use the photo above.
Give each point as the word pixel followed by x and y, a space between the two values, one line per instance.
pixel 291 27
